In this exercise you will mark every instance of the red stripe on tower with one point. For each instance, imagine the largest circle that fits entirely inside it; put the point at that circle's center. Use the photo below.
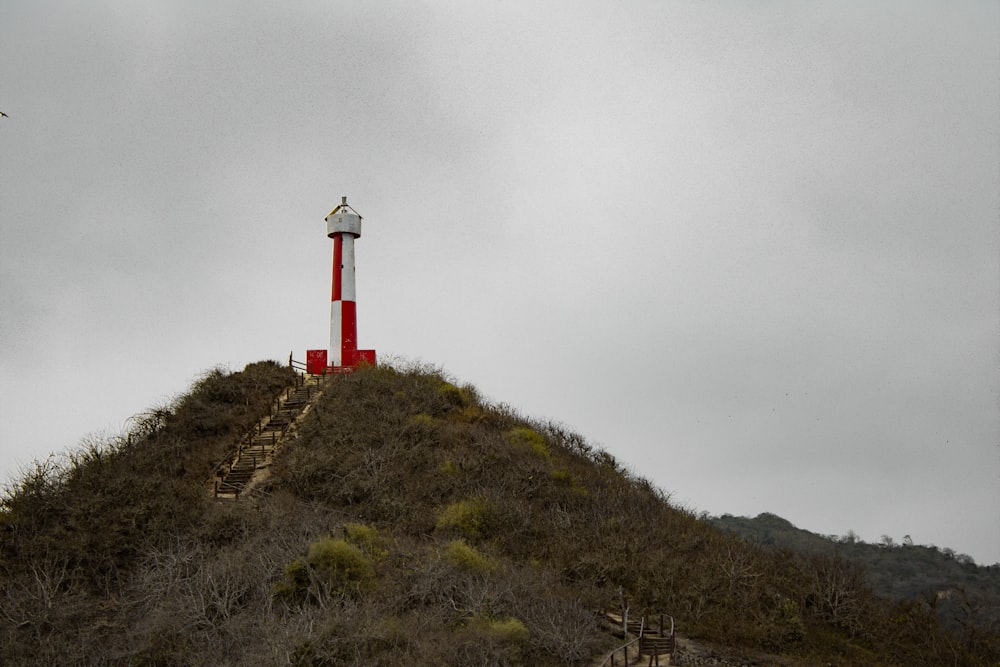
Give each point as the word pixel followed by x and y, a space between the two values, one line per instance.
pixel 349 333
pixel 338 265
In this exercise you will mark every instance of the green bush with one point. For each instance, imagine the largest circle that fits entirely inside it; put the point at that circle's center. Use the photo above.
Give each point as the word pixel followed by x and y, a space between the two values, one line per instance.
pixel 566 480
pixel 466 557
pixel 423 420
pixel 463 403
pixel 295 584
pixel 332 566
pixel 343 564
pixel 529 437
pixel 469 414
pixel 502 631
pixel 473 518
pixel 455 396
pixel 488 641
pixel 367 539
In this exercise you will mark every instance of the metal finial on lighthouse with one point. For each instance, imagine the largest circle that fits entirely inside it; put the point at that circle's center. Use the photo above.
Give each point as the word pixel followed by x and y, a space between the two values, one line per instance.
pixel 343 225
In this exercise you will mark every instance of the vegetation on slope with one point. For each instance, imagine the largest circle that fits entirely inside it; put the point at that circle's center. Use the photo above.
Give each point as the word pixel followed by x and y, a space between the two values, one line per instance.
pixel 409 521
pixel 964 596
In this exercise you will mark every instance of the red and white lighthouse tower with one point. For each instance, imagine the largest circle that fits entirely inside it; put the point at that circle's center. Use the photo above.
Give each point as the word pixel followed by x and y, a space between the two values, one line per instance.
pixel 343 225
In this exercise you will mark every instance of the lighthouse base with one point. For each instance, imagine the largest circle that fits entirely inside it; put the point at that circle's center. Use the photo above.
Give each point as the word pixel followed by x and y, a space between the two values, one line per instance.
pixel 365 358
pixel 316 362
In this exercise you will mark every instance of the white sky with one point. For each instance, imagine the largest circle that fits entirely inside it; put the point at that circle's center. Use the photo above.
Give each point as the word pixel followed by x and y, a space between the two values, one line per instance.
pixel 751 249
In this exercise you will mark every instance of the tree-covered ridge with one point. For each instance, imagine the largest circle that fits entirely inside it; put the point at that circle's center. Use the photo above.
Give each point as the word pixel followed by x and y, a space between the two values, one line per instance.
pixel 410 522
pixel 964 596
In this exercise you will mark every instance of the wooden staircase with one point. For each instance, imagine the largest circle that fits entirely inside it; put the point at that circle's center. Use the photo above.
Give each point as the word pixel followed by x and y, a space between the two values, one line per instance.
pixel 256 450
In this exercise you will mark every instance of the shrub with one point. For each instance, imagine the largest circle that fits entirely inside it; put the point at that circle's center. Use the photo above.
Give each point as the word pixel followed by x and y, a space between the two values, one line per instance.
pixel 486 641
pixel 332 566
pixel 566 480
pixel 295 584
pixel 529 437
pixel 455 396
pixel 342 563
pixel 507 631
pixel 367 539
pixel 422 420
pixel 469 414
pixel 474 518
pixel 462 555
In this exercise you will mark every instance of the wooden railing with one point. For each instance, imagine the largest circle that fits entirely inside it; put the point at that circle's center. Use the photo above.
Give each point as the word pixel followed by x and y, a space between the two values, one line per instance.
pixel 654 647
pixel 646 643
pixel 247 440
pixel 622 651
pixel 298 366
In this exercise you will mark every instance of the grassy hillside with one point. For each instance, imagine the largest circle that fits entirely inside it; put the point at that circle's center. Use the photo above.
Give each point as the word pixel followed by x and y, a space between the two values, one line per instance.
pixel 964 596
pixel 409 523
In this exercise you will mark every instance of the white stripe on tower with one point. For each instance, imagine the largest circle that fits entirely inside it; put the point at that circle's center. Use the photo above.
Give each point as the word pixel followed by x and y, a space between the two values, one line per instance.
pixel 347 271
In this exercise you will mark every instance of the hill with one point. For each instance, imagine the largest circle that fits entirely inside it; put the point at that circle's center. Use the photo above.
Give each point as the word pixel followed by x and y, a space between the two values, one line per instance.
pixel 409 522
pixel 965 596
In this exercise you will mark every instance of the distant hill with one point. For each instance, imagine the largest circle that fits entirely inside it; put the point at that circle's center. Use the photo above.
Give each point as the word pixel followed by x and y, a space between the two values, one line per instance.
pixel 408 523
pixel 963 594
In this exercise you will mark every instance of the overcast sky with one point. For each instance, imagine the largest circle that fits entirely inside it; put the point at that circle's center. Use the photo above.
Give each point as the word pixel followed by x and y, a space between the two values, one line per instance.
pixel 749 248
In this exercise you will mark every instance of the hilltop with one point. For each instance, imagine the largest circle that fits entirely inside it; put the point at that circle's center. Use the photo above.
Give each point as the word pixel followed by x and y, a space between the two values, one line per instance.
pixel 408 522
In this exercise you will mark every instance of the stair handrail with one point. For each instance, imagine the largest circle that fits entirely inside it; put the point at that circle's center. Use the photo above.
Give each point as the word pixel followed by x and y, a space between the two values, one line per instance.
pixel 247 439
pixel 642 632
pixel 296 365
pixel 611 656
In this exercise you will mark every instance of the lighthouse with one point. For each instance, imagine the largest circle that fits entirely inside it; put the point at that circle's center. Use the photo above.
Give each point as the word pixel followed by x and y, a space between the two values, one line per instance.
pixel 343 225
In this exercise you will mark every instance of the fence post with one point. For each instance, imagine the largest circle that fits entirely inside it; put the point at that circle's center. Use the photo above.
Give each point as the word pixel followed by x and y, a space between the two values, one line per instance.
pixel 625 618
